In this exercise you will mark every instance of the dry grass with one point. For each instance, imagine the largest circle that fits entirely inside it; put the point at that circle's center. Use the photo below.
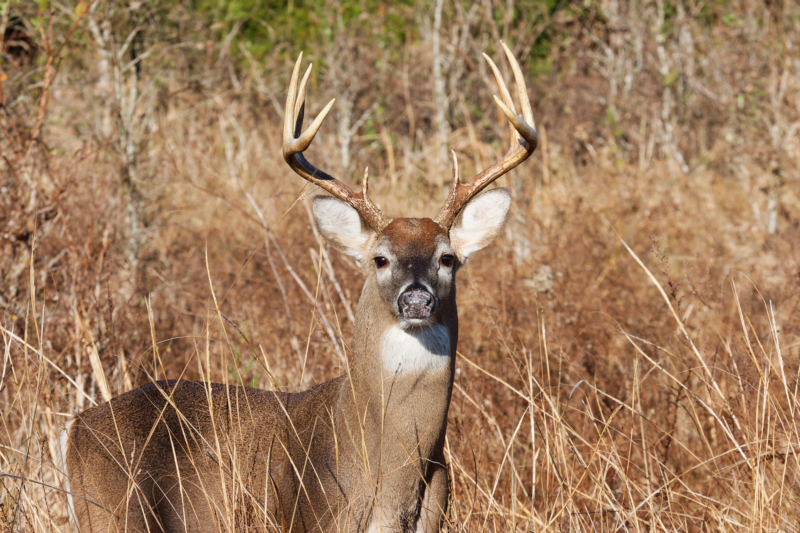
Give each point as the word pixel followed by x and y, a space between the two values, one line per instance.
pixel 629 350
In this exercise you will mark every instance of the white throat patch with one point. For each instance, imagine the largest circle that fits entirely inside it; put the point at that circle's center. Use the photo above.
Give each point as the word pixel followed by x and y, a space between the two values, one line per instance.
pixel 416 349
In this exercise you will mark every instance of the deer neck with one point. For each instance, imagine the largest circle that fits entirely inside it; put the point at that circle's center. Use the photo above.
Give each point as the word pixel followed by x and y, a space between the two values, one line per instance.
pixel 402 377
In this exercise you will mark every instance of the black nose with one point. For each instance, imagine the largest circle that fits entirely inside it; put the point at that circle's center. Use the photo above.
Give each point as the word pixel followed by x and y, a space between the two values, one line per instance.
pixel 416 303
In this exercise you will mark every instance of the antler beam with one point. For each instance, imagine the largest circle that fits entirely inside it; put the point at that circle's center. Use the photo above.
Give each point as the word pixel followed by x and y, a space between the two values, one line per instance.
pixel 295 143
pixel 524 141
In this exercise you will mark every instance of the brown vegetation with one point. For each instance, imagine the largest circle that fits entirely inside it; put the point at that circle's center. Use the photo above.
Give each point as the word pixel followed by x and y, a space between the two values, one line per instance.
pixel 631 346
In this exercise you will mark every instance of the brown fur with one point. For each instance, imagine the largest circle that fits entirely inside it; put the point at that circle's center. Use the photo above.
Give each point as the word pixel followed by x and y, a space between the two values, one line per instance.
pixel 361 451
pixel 410 236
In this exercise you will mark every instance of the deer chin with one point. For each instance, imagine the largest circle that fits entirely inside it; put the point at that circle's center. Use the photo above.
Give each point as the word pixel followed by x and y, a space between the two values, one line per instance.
pixel 416 349
pixel 407 324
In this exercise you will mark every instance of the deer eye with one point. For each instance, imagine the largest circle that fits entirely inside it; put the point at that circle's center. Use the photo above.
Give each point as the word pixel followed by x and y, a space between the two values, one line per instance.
pixel 447 260
pixel 380 261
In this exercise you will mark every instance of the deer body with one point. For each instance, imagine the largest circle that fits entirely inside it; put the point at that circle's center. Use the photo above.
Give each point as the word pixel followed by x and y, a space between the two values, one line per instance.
pixel 361 453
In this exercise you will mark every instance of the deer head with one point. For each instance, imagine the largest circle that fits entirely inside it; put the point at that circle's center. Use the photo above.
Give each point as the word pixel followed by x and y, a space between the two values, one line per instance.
pixel 411 262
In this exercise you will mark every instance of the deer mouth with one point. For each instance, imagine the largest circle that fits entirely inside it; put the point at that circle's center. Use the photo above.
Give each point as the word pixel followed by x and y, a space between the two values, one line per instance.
pixel 416 304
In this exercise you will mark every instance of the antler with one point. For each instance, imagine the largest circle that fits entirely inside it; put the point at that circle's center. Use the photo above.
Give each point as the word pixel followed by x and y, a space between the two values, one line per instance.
pixel 295 143
pixel 520 150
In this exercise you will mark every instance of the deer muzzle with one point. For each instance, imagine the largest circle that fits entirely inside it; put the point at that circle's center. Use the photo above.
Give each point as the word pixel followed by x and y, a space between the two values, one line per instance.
pixel 416 303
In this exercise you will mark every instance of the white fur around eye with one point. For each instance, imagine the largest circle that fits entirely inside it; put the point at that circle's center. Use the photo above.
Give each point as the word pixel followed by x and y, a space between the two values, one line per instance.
pixel 341 226
pixel 480 222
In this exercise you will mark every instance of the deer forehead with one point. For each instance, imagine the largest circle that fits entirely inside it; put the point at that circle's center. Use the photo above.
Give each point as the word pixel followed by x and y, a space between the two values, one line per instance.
pixel 413 237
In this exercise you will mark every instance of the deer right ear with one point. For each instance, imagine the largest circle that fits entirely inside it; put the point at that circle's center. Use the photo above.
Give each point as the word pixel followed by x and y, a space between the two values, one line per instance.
pixel 480 222
pixel 342 226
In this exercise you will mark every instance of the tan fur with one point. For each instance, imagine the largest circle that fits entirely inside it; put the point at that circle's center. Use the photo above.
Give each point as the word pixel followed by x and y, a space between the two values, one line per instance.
pixel 362 452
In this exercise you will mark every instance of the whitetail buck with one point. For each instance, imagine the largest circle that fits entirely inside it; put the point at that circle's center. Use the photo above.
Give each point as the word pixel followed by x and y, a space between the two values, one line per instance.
pixel 361 453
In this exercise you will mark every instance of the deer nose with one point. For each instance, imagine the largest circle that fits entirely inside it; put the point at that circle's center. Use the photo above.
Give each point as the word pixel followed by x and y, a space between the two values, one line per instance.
pixel 416 302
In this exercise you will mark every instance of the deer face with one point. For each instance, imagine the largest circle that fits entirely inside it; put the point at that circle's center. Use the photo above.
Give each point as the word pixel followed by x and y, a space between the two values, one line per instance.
pixel 414 266
pixel 413 261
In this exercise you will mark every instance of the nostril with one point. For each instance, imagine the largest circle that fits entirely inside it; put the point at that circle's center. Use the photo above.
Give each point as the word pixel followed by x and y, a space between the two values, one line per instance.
pixel 416 304
pixel 417 298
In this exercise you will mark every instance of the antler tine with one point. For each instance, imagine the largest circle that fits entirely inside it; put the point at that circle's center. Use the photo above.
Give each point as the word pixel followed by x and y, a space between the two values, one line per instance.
pixel 522 88
pixel 295 142
pixel 291 98
pixel 299 107
pixel 504 94
pixel 456 178
pixel 520 125
pixel 520 149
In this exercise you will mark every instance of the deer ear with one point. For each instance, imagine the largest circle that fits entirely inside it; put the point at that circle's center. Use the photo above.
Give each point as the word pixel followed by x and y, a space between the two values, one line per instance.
pixel 342 226
pixel 480 222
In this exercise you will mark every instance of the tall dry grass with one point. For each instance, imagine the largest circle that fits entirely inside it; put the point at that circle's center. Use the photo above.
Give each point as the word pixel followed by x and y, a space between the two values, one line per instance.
pixel 630 348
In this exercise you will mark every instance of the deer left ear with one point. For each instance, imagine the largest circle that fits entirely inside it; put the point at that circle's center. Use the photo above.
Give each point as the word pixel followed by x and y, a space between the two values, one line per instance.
pixel 480 222
pixel 342 226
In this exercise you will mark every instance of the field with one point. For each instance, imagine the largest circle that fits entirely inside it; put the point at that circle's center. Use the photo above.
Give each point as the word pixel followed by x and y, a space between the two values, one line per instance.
pixel 629 352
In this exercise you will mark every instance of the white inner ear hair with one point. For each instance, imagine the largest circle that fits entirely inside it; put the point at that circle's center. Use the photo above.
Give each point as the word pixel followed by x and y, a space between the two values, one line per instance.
pixel 487 209
pixel 416 349
pixel 480 222
pixel 340 225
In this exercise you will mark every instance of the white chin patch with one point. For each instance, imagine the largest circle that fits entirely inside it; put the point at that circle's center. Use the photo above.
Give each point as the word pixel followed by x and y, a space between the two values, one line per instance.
pixel 416 349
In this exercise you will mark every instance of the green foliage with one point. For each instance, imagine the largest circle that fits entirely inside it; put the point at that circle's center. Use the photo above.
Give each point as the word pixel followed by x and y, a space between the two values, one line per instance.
pixel 530 14
pixel 261 26
pixel 715 12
